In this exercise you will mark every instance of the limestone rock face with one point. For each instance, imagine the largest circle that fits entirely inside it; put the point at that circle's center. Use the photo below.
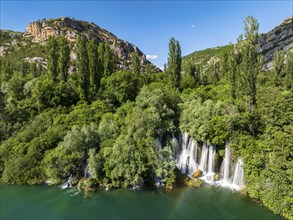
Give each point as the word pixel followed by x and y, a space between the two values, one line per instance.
pixel 280 38
pixel 42 30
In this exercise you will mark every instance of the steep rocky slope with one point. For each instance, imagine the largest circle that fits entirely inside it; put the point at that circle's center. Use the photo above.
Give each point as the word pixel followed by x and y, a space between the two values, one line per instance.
pixel 280 38
pixel 40 31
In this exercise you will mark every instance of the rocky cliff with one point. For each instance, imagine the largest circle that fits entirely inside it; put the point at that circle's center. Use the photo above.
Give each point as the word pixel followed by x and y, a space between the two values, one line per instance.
pixel 42 30
pixel 280 38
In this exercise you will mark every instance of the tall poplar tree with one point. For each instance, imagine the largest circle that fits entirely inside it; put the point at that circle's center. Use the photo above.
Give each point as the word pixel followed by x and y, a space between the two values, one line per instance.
pixel 94 74
pixel 109 61
pixel 250 65
pixel 63 58
pixel 52 58
pixel 101 52
pixel 174 62
pixel 135 67
pixel 234 61
pixel 83 70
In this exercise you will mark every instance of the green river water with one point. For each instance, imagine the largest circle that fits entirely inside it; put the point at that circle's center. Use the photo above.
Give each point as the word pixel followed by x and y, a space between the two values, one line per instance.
pixel 208 202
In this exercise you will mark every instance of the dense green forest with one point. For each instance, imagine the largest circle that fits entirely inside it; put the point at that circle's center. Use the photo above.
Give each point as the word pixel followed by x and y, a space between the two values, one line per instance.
pixel 105 121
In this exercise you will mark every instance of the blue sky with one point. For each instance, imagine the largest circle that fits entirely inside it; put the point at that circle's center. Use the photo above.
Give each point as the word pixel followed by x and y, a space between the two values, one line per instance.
pixel 150 24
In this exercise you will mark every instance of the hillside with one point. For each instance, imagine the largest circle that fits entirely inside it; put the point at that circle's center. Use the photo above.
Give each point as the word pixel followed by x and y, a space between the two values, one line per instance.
pixel 39 32
pixel 279 38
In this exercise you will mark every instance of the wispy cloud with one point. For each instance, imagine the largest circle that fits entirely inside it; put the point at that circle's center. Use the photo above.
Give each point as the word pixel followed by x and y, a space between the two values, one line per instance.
pixel 192 26
pixel 151 57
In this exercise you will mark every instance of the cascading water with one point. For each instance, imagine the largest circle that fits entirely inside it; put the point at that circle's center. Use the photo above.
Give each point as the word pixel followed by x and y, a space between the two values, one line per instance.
pixel 192 151
pixel 203 158
pixel 187 163
pixel 238 175
pixel 186 160
pixel 225 171
pixel 158 144
pixel 211 167
pixel 67 183
pixel 176 147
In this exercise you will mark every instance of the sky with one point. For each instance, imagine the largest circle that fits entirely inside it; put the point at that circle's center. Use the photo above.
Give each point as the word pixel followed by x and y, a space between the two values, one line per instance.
pixel 150 24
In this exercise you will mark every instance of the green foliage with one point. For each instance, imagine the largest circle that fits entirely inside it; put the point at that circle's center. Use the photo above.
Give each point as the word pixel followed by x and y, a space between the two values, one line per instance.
pixel 83 69
pixel 70 157
pixel 208 123
pixel 49 94
pixel 135 66
pixel 107 59
pixel 95 75
pixel 95 165
pixel 52 58
pixel 63 58
pixel 174 62
pixel 120 87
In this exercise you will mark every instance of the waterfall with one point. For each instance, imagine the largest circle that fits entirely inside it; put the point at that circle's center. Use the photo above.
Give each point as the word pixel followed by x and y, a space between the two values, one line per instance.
pixel 176 147
pixel 86 173
pixel 67 183
pixel 212 153
pixel 203 158
pixel 184 140
pixel 238 176
pixel 186 162
pixel 226 167
pixel 158 144
pixel 211 164
pixel 192 152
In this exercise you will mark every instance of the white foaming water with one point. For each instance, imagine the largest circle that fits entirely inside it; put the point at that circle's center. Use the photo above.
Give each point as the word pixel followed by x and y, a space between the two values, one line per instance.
pixel 186 159
pixel 238 176
pixel 67 183
pixel 158 144
pixel 209 176
pixel 203 158
pixel 187 163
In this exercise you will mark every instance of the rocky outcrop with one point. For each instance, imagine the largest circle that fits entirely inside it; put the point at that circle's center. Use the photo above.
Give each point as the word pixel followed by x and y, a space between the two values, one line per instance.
pixel 42 30
pixel 9 39
pixel 280 38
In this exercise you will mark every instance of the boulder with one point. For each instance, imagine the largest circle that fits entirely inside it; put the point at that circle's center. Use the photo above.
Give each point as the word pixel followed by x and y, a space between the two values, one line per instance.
pixel 197 173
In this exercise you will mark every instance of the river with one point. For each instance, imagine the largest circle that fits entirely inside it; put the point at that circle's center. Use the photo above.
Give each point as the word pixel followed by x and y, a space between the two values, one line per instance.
pixel 208 202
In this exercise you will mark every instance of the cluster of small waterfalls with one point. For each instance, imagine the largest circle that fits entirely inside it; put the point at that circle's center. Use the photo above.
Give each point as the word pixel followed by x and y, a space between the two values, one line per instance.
pixel 191 159
pixel 197 161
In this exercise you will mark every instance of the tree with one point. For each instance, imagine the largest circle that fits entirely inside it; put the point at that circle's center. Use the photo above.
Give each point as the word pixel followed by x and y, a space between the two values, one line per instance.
pixel 135 67
pixel 289 69
pixel 95 75
pixel 83 68
pixel 120 86
pixel 63 58
pixel 108 60
pixel 70 157
pixel 234 61
pixel 148 69
pixel 174 62
pixel 101 52
pixel 52 58
pixel 250 65
pixel 189 79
